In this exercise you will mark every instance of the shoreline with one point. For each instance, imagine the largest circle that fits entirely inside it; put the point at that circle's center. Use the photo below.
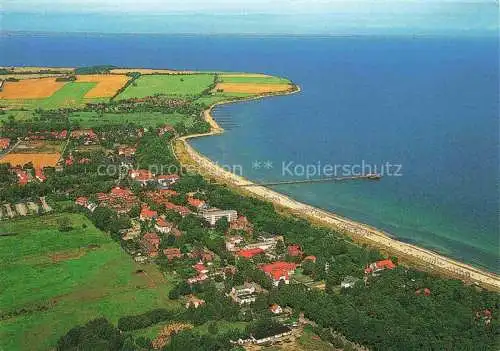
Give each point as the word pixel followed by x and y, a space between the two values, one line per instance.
pixel 412 255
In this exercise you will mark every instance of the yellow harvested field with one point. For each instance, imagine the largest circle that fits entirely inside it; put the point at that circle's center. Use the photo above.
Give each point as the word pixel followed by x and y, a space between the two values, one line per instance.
pixel 250 88
pixel 39 160
pixel 30 88
pixel 107 84
pixel 149 71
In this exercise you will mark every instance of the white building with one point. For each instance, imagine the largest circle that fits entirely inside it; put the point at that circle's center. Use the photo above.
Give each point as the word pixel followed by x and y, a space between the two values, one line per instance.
pixel 244 294
pixel 348 282
pixel 214 214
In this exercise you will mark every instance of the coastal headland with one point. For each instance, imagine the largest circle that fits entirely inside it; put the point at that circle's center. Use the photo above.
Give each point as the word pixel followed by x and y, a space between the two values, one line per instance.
pixel 412 255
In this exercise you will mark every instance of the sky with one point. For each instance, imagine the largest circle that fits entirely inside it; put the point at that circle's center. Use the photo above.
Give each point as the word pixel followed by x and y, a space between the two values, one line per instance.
pixel 252 16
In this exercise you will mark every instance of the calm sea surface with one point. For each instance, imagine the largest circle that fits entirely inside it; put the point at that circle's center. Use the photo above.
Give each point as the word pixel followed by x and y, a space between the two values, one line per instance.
pixel 430 105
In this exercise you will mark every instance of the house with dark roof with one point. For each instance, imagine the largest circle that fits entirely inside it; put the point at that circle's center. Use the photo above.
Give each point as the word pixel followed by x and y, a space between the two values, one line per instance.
pixel 271 334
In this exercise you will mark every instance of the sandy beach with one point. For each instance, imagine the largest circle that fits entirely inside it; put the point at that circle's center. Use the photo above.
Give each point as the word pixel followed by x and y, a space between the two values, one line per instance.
pixel 407 253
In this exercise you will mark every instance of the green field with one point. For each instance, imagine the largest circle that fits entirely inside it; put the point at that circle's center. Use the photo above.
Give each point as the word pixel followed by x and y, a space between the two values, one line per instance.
pixel 18 115
pixel 47 276
pixel 254 80
pixel 168 84
pixel 221 96
pixel 146 119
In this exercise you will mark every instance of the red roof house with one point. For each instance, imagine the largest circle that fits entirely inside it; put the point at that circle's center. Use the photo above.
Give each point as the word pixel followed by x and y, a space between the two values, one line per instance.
pixel 172 253
pixel 22 176
pixel 200 268
pixel 82 201
pixel 142 176
pixel 39 175
pixel 4 143
pixel 121 192
pixel 279 271
pixel 197 203
pixel 126 151
pixel 379 266
pixel 147 214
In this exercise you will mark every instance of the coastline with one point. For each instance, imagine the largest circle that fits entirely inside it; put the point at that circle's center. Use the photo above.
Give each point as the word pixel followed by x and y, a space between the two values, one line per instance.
pixel 409 254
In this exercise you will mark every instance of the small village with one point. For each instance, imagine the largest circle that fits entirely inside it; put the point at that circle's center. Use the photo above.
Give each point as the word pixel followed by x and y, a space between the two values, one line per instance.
pixel 157 210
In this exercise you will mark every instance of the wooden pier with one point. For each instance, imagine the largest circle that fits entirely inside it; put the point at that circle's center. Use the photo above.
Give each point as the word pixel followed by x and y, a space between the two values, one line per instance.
pixel 319 180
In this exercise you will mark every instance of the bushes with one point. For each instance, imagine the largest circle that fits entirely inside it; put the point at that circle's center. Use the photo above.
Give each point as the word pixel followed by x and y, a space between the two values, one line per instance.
pixel 97 334
pixel 94 69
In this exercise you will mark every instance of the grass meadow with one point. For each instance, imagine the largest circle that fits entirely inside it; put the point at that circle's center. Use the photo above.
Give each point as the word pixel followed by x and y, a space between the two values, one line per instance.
pixel 251 79
pixel 146 119
pixel 179 85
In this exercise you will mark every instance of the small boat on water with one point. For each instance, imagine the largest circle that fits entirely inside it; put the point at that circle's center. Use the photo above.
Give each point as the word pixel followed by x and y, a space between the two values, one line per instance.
pixel 373 176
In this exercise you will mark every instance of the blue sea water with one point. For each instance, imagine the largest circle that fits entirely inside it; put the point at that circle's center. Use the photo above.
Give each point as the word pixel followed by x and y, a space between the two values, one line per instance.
pixel 429 104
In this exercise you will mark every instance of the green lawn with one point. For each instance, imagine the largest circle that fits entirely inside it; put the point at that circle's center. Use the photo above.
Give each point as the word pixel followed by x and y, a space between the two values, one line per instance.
pixel 254 80
pixel 44 268
pixel 146 119
pixel 168 84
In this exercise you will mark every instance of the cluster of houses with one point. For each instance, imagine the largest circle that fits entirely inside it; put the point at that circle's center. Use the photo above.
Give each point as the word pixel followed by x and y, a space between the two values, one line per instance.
pixel 145 177
pixel 119 199
pixel 26 176
pixel 86 136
